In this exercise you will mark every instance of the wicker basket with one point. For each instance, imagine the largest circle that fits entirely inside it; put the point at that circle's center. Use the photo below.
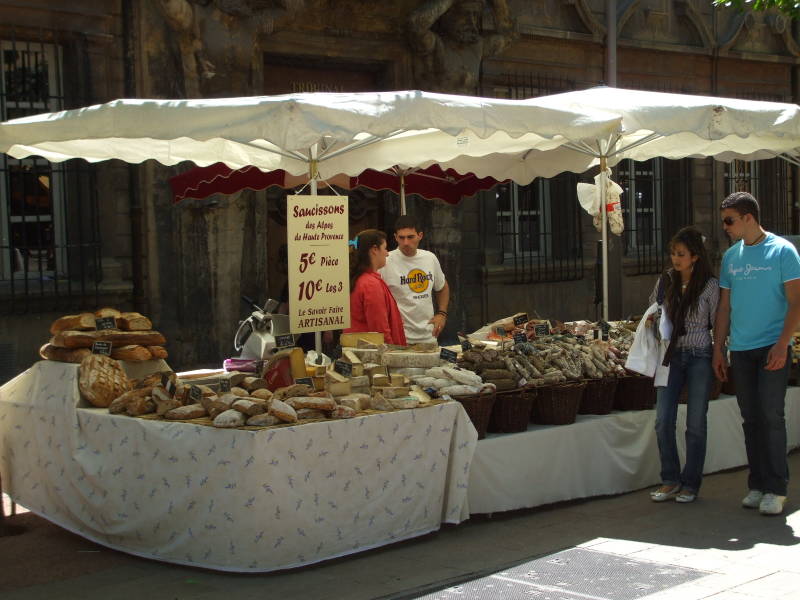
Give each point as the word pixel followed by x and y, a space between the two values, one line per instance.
pixel 598 396
pixel 557 404
pixel 634 392
pixel 713 394
pixel 479 410
pixel 512 410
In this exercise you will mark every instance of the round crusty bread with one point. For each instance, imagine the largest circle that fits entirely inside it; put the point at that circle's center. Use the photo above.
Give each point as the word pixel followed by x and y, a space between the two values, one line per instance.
pixel 101 379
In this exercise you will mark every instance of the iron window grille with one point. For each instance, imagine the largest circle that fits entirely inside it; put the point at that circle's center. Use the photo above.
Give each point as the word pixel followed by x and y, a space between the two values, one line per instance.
pixel 656 203
pixel 768 180
pixel 540 229
pixel 49 231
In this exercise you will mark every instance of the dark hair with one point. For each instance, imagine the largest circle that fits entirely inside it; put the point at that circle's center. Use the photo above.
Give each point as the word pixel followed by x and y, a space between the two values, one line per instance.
pixel 406 222
pixel 359 257
pixel 744 203
pixel 679 305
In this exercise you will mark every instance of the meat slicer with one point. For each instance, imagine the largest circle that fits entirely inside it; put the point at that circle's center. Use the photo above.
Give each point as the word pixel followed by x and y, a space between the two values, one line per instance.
pixel 257 335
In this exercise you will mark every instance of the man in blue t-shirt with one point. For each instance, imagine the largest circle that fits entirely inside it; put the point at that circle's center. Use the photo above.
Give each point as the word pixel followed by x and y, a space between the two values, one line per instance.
pixel 759 305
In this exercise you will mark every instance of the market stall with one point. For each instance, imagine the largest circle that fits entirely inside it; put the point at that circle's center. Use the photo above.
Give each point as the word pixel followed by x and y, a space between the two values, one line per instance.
pixel 230 499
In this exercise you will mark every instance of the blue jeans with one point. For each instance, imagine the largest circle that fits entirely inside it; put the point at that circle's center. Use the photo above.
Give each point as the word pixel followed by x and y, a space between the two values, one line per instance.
pixel 761 395
pixel 693 367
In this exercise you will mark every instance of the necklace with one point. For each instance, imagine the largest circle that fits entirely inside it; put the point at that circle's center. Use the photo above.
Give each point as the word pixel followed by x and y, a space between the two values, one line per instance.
pixel 758 239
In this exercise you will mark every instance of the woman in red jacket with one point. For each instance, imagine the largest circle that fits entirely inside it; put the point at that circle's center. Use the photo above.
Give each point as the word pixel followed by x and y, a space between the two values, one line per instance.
pixel 372 306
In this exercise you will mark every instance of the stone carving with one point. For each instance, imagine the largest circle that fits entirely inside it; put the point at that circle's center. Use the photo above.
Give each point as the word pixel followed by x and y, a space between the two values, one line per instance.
pixel 218 41
pixel 449 44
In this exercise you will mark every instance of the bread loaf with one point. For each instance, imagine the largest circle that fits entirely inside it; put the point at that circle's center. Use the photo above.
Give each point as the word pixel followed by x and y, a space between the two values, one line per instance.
pixel 85 339
pixel 264 394
pixel 264 420
pixel 158 351
pixel 312 402
pixel 50 352
pixel 283 411
pixel 132 353
pixel 164 402
pixel 181 413
pixel 310 413
pixel 252 384
pixel 141 406
pixel 248 407
pixel 239 391
pixel 101 379
pixel 133 321
pixel 81 322
pixel 120 404
pixel 229 418
pixel 107 312
pixel 343 412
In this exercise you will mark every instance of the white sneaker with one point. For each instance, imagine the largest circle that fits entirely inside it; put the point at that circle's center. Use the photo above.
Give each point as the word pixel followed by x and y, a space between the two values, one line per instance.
pixel 771 504
pixel 753 499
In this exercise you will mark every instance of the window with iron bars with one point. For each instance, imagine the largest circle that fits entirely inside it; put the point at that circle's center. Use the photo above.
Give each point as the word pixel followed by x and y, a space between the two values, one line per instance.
pixel 540 229
pixel 656 203
pixel 539 224
pixel 49 234
pixel 768 180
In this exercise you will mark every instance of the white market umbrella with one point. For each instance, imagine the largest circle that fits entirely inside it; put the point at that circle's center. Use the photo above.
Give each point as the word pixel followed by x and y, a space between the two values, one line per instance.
pixel 322 134
pixel 680 126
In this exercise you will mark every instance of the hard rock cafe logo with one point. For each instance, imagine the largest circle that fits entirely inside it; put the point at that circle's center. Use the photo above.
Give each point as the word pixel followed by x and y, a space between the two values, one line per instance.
pixel 417 279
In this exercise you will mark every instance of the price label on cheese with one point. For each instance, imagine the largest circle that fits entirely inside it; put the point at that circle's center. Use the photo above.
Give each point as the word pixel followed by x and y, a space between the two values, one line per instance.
pixel 105 323
pixel 101 348
pixel 195 394
pixel 604 329
pixel 319 266
pixel 168 384
pixel 520 320
pixel 343 368
pixel 520 338
pixel 541 330
pixel 305 380
pixel 224 384
pixel 284 341
pixel 448 355
pixel 465 345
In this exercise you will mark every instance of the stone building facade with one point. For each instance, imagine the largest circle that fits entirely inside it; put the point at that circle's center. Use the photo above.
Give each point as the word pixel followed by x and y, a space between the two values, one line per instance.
pixel 77 236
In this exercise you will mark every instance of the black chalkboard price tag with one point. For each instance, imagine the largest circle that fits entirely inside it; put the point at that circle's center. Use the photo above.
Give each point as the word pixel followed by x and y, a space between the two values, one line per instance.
pixel 541 329
pixel 448 355
pixel 101 348
pixel 520 338
pixel 195 394
pixel 224 384
pixel 465 345
pixel 305 380
pixel 343 368
pixel 604 329
pixel 500 330
pixel 520 320
pixel 168 384
pixel 284 341
pixel 105 323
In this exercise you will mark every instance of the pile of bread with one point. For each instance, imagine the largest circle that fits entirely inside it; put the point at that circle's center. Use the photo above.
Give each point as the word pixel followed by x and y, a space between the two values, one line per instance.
pixel 103 383
pixel 132 339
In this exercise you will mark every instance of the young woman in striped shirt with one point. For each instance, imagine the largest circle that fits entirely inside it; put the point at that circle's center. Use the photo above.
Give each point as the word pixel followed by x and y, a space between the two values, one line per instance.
pixel 691 295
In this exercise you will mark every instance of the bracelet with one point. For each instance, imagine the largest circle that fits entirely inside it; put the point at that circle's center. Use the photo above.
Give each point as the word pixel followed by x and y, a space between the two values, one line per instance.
pixel 441 312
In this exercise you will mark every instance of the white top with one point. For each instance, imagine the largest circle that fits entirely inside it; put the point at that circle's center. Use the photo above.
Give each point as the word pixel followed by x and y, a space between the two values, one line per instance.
pixel 412 281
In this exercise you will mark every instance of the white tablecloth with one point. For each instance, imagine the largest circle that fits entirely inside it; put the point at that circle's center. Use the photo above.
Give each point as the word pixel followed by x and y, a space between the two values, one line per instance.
pixel 599 455
pixel 233 500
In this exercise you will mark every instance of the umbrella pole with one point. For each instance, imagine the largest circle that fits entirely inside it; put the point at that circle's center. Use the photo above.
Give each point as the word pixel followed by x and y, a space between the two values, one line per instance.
pixel 402 194
pixel 604 221
pixel 312 173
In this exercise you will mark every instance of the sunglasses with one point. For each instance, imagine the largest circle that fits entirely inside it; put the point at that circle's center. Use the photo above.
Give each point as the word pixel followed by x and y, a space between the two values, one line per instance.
pixel 730 220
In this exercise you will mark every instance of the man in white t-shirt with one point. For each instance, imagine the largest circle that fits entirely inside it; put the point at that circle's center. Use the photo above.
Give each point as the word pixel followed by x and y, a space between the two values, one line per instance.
pixel 416 280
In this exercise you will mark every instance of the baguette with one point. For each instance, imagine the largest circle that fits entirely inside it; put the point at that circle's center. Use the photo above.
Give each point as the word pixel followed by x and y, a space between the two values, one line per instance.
pixel 50 352
pixel 85 339
pixel 158 351
pixel 133 352
pixel 81 322
pixel 107 312
pixel 133 321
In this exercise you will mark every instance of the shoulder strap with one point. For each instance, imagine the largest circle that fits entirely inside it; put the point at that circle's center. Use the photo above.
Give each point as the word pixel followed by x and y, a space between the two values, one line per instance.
pixel 660 293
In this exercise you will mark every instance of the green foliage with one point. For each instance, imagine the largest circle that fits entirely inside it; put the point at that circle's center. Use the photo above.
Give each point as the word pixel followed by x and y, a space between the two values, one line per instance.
pixel 790 8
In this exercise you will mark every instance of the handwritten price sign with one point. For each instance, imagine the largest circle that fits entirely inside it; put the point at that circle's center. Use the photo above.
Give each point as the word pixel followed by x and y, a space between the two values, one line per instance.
pixel 319 271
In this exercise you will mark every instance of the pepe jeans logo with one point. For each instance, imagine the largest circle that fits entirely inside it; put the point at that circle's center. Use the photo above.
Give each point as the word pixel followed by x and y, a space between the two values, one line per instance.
pixel 746 270
pixel 417 279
